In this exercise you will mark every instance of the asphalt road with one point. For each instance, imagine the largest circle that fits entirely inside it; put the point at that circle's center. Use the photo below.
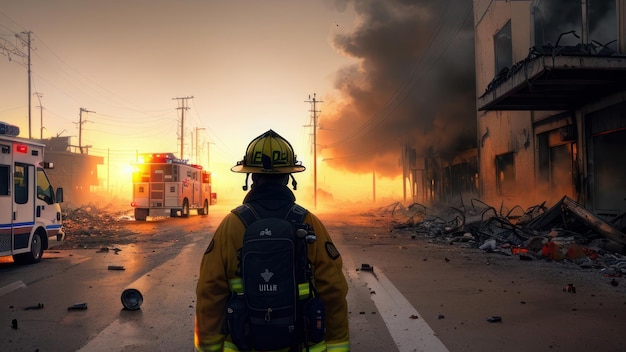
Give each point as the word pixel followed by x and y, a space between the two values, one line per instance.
pixel 418 297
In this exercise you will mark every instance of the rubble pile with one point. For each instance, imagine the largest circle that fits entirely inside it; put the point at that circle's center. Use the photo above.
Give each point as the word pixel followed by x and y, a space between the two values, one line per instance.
pixel 565 232
pixel 89 226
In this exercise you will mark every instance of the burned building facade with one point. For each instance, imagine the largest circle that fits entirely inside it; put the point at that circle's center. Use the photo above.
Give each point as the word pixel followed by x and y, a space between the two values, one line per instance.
pixel 551 102
pixel 76 173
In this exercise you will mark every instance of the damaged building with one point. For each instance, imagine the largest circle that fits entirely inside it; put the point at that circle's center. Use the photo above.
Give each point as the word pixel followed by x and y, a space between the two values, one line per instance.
pixel 551 105
pixel 76 173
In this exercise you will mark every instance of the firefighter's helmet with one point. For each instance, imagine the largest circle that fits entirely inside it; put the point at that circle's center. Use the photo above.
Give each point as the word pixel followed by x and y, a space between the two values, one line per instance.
pixel 269 153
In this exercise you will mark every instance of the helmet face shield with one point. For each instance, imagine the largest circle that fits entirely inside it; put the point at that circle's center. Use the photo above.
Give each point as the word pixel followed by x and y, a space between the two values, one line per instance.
pixel 269 153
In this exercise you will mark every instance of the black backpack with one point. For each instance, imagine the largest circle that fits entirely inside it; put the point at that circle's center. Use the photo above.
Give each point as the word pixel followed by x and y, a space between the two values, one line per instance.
pixel 277 306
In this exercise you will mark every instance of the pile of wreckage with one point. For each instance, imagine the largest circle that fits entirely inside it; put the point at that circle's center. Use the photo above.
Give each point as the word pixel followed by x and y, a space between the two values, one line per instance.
pixel 566 231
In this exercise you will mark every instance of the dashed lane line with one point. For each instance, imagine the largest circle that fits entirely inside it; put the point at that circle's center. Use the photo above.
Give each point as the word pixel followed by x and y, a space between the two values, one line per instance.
pixel 11 287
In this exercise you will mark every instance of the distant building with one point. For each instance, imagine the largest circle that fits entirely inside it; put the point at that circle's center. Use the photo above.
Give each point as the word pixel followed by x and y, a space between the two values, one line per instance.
pixel 551 105
pixel 76 173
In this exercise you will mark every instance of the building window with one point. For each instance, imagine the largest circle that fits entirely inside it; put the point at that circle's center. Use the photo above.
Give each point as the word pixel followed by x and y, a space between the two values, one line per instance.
pixel 554 19
pixel 505 173
pixel 504 48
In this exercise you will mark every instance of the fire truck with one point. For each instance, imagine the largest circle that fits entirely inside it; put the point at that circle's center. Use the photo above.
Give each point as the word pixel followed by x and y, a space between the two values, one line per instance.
pixel 164 185
pixel 30 219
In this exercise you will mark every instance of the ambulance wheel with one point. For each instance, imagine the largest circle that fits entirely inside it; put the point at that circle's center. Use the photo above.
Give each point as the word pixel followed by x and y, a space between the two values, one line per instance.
pixel 35 254
pixel 205 208
pixel 184 213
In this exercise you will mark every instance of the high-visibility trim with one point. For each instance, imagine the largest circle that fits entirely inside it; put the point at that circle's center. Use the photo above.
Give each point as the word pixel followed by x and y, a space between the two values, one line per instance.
pixel 230 347
pixel 338 347
pixel 209 348
pixel 304 291
pixel 236 285
pixel 318 347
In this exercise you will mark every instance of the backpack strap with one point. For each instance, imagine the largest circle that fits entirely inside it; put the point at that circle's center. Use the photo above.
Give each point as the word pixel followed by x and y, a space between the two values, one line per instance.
pixel 296 214
pixel 246 214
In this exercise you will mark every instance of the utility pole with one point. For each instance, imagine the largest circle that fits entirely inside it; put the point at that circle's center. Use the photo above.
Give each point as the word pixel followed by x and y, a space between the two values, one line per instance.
pixel 80 128
pixel 182 106
pixel 197 150
pixel 27 43
pixel 39 95
pixel 314 111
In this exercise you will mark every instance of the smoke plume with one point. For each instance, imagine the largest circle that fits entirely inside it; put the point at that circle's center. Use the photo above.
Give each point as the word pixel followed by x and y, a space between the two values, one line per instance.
pixel 413 85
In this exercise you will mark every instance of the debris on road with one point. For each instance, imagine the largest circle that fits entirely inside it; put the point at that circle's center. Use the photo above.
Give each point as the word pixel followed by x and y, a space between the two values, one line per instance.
pixel 116 267
pixel 91 227
pixel 36 307
pixel 570 288
pixel 131 299
pixel 494 319
pixel 565 232
pixel 366 267
pixel 78 306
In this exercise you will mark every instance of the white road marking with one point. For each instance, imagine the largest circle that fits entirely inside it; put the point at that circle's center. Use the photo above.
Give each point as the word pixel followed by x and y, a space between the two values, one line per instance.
pixel 407 327
pixel 11 287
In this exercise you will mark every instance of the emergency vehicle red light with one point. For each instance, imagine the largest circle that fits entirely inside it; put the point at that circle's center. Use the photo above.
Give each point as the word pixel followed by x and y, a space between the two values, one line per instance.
pixel 21 148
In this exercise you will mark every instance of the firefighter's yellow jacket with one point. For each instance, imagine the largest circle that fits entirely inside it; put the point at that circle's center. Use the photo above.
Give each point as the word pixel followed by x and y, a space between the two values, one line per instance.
pixel 219 264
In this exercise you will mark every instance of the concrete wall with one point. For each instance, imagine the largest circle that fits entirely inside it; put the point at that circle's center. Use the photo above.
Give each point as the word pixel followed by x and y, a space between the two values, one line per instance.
pixel 501 132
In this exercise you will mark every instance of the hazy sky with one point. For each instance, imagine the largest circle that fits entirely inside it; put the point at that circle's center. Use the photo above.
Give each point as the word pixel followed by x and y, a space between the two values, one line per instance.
pixel 388 73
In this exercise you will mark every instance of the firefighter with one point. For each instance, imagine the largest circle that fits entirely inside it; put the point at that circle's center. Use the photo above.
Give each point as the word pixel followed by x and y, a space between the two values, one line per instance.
pixel 270 161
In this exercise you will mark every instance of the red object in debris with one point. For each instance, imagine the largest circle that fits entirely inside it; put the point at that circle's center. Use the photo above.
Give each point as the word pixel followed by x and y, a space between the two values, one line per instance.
pixel 551 250
pixel 519 250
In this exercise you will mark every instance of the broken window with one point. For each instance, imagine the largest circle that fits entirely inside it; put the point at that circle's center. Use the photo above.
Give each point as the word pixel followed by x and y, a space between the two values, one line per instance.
pixel 568 22
pixel 556 163
pixel 505 173
pixel 607 161
pixel 504 48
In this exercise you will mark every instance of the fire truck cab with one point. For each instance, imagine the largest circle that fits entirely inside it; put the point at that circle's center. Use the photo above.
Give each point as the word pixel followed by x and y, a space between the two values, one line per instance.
pixel 164 185
pixel 31 215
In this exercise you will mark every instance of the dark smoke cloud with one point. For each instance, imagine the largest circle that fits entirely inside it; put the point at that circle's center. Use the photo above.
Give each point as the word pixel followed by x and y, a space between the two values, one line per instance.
pixel 413 84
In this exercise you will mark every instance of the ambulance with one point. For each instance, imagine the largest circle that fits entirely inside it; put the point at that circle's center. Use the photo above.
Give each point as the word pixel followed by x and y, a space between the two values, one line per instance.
pixel 30 219
pixel 164 185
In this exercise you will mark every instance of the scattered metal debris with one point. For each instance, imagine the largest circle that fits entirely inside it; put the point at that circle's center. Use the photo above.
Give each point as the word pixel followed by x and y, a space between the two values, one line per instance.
pixel 89 226
pixel 78 306
pixel 494 319
pixel 566 231
pixel 36 307
pixel 366 267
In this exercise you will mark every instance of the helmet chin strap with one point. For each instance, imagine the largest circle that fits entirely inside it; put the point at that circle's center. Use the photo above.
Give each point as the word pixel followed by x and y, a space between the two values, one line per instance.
pixel 245 185
pixel 293 182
